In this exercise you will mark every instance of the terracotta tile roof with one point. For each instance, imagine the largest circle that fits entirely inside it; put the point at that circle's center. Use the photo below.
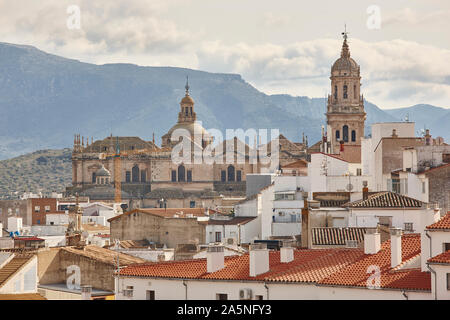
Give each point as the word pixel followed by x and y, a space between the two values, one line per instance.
pixel 442 224
pixel 169 212
pixel 103 255
pixel 29 239
pixel 342 267
pixel 22 296
pixel 386 199
pixel 355 275
pixel 233 221
pixel 336 236
pixel 12 267
pixel 441 258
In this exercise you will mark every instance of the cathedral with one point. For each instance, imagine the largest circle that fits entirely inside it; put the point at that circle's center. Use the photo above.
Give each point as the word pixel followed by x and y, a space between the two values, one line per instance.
pixel 149 176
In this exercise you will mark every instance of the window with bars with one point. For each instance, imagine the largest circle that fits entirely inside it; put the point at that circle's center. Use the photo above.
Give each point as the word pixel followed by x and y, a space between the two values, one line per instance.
pixel 409 226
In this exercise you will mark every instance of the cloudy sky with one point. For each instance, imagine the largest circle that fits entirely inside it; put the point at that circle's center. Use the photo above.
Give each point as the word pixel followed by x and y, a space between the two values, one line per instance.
pixel 284 46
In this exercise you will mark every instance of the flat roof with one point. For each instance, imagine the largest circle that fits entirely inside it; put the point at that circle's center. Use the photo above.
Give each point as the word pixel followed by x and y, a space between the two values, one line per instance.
pixel 63 287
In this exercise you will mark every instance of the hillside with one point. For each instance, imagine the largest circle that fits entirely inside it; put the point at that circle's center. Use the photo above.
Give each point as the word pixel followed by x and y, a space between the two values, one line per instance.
pixel 45 99
pixel 44 170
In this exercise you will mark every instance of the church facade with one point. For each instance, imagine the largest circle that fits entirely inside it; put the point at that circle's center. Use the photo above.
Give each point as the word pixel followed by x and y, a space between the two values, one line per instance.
pixel 149 176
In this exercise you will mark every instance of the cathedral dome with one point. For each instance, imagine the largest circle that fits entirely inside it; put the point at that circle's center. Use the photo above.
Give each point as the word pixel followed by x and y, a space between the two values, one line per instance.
pixel 187 100
pixel 102 172
pixel 194 128
pixel 345 63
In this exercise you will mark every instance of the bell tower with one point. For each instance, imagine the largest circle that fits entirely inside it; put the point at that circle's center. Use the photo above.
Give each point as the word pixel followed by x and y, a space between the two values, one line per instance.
pixel 345 109
pixel 187 113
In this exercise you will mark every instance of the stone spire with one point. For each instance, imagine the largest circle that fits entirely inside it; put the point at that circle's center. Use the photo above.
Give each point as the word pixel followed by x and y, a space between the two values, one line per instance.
pixel 345 53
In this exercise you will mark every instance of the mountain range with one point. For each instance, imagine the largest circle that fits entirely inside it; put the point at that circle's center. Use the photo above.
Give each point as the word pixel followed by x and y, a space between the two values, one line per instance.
pixel 45 99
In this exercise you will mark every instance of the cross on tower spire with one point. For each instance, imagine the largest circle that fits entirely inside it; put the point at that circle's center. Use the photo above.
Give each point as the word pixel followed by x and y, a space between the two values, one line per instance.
pixel 187 85
pixel 345 33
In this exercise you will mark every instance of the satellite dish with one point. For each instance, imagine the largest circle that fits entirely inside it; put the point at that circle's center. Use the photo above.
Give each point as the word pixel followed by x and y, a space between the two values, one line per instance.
pixel 350 187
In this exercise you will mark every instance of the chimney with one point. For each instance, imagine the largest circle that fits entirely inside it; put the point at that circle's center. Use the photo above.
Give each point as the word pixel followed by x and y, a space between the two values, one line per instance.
pixel 365 192
pixel 86 292
pixel 342 146
pixel 259 259
pixel 214 259
pixel 372 243
pixel 394 133
pixel 286 254
pixel 305 225
pixel 396 247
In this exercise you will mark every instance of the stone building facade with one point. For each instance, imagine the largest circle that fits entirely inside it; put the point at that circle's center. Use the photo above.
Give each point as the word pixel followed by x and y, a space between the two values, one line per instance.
pixel 151 178
pixel 345 109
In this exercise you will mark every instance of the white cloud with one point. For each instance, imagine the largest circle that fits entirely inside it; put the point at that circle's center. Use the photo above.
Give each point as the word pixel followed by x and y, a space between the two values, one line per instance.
pixel 394 72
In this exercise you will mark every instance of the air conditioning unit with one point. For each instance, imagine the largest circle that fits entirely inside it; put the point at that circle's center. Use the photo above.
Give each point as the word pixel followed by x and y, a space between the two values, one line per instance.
pixel 128 293
pixel 245 294
pixel 231 241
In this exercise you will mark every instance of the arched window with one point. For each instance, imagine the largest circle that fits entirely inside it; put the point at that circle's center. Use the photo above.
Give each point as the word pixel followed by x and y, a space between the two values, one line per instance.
pixel 354 91
pixel 345 92
pixel 143 176
pixel 345 133
pixel 335 92
pixel 93 177
pixel 135 174
pixel 181 173
pixel 353 135
pixel 186 111
pixel 338 135
pixel 230 173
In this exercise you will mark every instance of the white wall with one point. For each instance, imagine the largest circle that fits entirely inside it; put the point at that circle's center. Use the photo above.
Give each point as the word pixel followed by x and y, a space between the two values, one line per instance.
pixel 384 129
pixel 24 281
pixel 286 229
pixel 207 290
pixel 439 281
pixel 57 219
pixel 246 208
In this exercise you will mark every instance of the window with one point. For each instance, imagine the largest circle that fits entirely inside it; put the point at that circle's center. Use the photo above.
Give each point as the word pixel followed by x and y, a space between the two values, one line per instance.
pixel 338 135
pixel 230 172
pixel 135 173
pixel 345 133
pixel 38 222
pixel 354 91
pixel 128 176
pixel 93 177
pixel 423 187
pixel 181 173
pixel 358 171
pixel 150 295
pixel 192 204
pixel 218 236
pixel 37 209
pixel 446 246
pixel 174 175
pixel 448 281
pixel 47 208
pixel 143 176
pixel 189 175
pixel 409 226
pixel 353 135
pixel 223 176
pixel 238 175
pixel 224 296
pixel 335 92
pixel 258 297
pixel 345 92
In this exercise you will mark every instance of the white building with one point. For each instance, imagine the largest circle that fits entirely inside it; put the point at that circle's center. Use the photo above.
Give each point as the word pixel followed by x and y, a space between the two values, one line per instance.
pixel 388 270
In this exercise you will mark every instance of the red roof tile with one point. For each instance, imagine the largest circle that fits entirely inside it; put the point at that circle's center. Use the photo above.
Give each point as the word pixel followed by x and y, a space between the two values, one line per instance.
pixel 442 258
pixel 386 199
pixel 442 224
pixel 342 267
pixel 412 279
